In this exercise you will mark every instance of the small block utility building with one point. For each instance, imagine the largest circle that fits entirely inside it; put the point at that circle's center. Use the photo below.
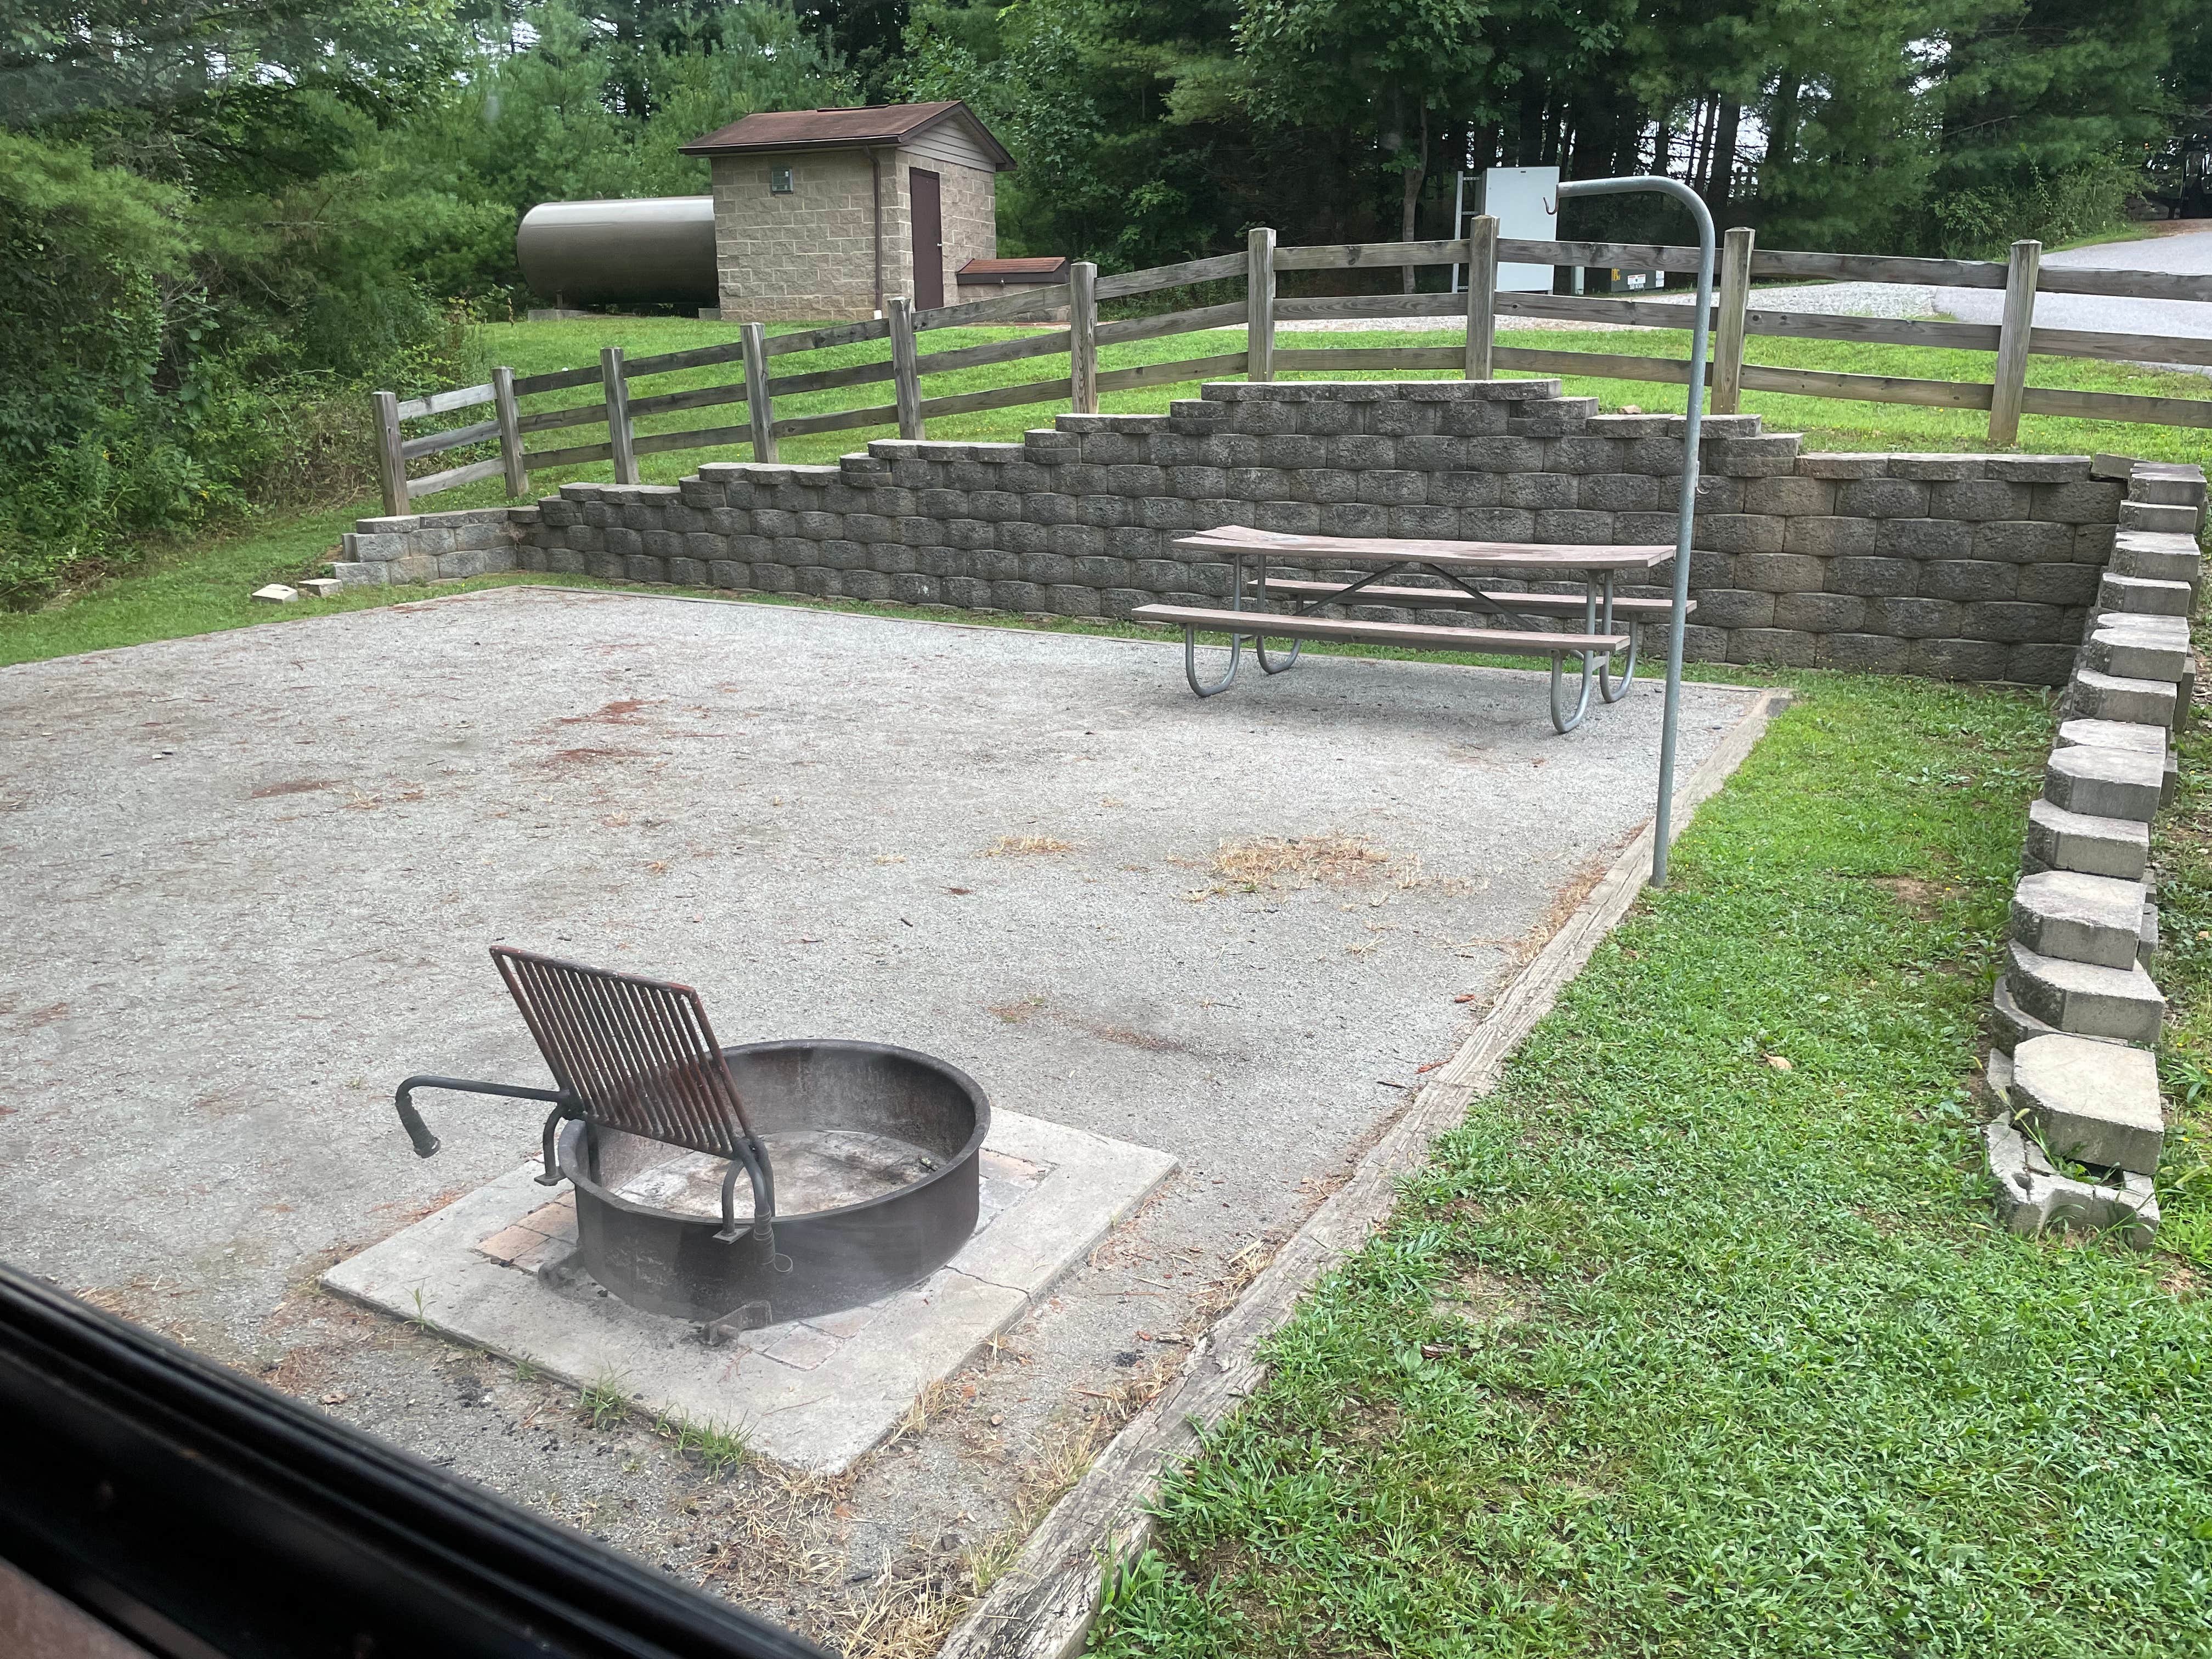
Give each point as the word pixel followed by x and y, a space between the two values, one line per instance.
pixel 820 214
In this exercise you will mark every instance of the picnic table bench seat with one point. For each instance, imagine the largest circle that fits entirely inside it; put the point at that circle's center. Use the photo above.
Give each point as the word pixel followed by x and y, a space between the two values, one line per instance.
pixel 1418 636
pixel 1608 624
pixel 1450 599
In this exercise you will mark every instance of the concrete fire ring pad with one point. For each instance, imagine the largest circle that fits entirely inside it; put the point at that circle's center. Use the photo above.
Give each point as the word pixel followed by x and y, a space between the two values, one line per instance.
pixel 495 1269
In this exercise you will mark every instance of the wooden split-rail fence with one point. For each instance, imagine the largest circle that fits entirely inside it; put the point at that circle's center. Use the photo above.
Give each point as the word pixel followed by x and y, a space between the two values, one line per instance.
pixel 2006 397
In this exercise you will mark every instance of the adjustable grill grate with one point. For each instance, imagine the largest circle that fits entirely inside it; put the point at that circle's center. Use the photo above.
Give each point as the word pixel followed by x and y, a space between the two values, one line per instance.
pixel 637 1055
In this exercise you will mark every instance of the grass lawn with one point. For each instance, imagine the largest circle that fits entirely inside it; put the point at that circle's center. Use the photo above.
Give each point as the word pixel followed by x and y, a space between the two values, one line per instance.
pixel 202 586
pixel 1696 1338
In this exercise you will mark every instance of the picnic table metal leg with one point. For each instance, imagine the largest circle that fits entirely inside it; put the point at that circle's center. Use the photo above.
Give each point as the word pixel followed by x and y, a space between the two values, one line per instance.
pixel 1561 721
pixel 1235 641
pixel 1606 687
pixel 1260 640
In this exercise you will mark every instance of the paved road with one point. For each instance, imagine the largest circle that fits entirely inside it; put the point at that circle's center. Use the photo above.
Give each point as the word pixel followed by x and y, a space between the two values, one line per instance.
pixel 2187 254
pixel 2190 253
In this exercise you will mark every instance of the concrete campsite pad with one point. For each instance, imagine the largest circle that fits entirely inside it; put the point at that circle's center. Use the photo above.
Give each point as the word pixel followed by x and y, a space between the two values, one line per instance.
pixel 815 1393
pixel 253 878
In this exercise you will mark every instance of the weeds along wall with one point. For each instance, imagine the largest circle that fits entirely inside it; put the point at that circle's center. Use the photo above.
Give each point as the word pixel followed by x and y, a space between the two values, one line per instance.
pixel 1959 566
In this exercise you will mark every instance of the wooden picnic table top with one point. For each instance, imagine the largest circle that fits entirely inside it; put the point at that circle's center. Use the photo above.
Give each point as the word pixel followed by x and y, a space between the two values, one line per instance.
pixel 1377 550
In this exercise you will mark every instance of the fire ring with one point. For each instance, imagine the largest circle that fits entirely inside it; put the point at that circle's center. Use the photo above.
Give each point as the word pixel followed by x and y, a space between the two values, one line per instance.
pixel 876 1151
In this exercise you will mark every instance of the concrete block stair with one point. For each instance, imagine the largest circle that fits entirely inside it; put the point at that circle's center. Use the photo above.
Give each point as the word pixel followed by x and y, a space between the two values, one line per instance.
pixel 2142 595
pixel 2113 734
pixel 2138 648
pixel 2092 919
pixel 2121 697
pixel 2090 1102
pixel 2104 783
pixel 2159 556
pixel 2079 1134
pixel 2060 840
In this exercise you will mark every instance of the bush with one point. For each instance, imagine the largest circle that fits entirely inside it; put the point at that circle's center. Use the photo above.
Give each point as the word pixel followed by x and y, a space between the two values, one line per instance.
pixel 2053 209
pixel 152 376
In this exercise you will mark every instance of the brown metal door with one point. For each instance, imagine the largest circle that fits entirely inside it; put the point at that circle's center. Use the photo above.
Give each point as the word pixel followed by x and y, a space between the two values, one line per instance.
pixel 928 240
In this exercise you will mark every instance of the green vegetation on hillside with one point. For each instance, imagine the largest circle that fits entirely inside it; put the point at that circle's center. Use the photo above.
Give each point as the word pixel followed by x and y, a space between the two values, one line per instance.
pixel 221 221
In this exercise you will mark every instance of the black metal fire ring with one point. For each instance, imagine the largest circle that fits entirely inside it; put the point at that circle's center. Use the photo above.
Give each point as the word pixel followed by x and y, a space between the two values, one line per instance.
pixel 818 1262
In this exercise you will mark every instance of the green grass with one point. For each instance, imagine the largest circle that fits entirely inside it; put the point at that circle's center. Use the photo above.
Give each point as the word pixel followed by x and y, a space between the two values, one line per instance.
pixel 719 1450
pixel 202 587
pixel 1670 1351
pixel 604 1404
pixel 2134 231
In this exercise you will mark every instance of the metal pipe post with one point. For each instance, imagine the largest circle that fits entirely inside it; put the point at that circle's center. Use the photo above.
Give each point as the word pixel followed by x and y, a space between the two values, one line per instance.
pixel 1662 824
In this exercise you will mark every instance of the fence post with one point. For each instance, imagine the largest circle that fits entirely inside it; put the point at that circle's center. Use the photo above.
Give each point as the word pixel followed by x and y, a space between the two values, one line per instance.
pixel 1259 305
pixel 510 431
pixel 1083 338
pixel 906 367
pixel 391 465
pixel 618 432
pixel 758 413
pixel 1729 330
pixel 1481 295
pixel 2013 331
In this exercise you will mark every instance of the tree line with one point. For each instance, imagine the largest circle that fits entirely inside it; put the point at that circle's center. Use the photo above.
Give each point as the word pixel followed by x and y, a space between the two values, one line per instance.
pixel 219 218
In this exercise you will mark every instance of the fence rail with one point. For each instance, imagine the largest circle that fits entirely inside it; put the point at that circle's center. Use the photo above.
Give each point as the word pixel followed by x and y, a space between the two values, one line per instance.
pixel 1735 321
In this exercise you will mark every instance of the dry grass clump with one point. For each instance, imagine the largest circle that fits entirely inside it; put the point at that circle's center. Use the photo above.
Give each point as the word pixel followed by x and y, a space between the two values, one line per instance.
pixel 1023 847
pixel 1278 862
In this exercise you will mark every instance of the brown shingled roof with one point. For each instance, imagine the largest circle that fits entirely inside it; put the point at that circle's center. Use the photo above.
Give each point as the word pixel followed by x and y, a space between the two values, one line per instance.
pixel 1046 268
pixel 843 129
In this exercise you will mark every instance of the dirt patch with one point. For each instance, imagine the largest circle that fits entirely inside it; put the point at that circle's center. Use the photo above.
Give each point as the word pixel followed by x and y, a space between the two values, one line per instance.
pixel 293 786
pixel 623 711
pixel 1477 1298
pixel 1127 1036
pixel 1024 1009
pixel 1367 1423
pixel 592 756
pixel 1922 898
pixel 223 1103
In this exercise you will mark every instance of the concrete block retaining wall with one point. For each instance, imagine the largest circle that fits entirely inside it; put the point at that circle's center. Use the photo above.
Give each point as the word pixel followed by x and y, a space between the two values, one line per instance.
pixel 1961 567
pixel 429 547
pixel 2081 1128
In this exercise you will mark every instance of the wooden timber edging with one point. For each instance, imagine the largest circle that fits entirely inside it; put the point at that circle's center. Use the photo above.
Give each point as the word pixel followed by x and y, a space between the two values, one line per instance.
pixel 1043 1605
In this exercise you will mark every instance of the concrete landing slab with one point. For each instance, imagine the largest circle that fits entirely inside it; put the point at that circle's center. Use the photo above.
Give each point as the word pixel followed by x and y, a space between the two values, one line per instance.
pixel 495 1269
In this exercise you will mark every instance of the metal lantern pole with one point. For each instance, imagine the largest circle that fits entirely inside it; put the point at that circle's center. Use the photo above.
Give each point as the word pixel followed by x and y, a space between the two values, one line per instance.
pixel 1662 826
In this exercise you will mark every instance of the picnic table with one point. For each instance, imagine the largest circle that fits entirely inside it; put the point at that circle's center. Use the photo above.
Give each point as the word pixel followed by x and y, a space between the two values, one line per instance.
pixel 1607 628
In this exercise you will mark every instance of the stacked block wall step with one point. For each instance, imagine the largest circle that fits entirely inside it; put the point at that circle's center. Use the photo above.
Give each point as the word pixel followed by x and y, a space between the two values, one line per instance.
pixel 2075 1010
pixel 2138 648
pixel 2090 1102
pixel 2034 1195
pixel 1978 568
pixel 2092 919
